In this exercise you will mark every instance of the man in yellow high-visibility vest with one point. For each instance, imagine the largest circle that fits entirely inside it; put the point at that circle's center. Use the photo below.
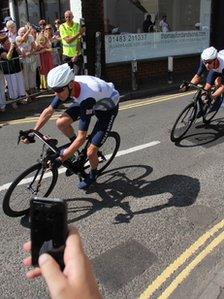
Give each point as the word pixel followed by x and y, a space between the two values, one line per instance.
pixel 70 33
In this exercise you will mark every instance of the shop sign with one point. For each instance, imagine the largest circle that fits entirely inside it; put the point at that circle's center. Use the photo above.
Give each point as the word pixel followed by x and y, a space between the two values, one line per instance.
pixel 126 47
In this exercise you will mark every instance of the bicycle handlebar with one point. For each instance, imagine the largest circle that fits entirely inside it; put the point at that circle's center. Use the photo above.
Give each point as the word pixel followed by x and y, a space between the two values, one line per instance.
pixel 197 86
pixel 41 137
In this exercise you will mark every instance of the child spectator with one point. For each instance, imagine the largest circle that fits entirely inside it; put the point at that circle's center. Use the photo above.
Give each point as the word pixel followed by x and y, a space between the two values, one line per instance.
pixel 12 69
pixel 44 50
pixel 42 24
pixel 26 44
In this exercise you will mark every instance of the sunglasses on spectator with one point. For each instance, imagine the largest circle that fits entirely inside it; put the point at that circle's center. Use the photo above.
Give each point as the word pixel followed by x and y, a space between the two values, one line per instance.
pixel 56 23
pixel 58 89
pixel 48 28
pixel 208 61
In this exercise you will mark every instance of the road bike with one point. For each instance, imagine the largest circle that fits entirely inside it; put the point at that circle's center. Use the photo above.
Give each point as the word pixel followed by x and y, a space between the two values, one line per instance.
pixel 196 109
pixel 40 179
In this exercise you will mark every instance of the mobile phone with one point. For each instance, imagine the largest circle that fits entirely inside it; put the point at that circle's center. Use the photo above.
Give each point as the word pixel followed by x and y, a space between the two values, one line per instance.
pixel 48 228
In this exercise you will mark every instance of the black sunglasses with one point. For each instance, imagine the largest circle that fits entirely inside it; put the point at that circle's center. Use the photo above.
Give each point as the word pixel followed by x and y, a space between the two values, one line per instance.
pixel 59 89
pixel 208 61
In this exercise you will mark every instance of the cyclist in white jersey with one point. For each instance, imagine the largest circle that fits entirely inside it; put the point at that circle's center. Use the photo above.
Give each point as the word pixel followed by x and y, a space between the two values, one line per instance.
pixel 92 96
pixel 213 62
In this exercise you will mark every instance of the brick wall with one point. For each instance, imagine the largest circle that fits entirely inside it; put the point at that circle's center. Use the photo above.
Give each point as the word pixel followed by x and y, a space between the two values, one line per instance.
pixel 120 74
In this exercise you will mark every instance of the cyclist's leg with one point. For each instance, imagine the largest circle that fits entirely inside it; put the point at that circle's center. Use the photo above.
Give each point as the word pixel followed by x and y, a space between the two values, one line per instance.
pixel 64 122
pixel 103 126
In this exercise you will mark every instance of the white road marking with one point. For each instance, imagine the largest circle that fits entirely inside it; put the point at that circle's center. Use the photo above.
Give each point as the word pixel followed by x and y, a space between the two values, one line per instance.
pixel 62 170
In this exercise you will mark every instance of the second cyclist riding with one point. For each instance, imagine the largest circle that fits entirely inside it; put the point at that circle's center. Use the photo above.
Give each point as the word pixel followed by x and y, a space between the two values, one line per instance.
pixel 200 106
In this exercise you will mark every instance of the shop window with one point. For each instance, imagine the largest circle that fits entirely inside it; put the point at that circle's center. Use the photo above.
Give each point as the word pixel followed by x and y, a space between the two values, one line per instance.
pixel 51 10
pixel 129 15
pixel 145 29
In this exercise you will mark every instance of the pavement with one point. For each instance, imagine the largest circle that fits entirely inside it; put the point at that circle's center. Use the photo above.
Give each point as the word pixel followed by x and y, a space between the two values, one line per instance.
pixel 34 108
pixel 215 286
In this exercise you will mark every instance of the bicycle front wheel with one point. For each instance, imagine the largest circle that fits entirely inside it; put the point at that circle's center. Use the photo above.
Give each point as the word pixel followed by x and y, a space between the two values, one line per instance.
pixel 35 181
pixel 183 122
pixel 208 117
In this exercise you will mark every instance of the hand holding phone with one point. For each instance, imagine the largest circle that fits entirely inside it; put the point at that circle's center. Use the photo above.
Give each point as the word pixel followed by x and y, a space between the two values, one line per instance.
pixel 48 228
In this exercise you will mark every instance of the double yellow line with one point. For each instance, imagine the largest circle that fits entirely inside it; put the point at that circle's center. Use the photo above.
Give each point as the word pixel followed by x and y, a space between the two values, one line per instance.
pixel 183 258
pixel 122 107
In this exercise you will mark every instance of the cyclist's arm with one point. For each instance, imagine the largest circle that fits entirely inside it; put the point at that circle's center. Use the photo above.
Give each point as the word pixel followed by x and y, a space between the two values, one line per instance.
pixel 44 117
pixel 220 90
pixel 76 144
pixel 196 79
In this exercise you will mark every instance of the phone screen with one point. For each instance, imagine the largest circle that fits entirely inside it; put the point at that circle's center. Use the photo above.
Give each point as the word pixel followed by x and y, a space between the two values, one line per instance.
pixel 48 228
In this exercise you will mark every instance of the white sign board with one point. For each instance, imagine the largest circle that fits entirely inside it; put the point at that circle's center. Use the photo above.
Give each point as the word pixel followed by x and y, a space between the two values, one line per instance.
pixel 126 47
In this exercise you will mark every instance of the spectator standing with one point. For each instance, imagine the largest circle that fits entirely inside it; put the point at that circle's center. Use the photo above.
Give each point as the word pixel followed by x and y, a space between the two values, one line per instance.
pixel 49 34
pixel 12 31
pixel 148 25
pixel 163 25
pixel 42 24
pixel 57 38
pixel 12 69
pixel 27 47
pixel 44 50
pixel 71 33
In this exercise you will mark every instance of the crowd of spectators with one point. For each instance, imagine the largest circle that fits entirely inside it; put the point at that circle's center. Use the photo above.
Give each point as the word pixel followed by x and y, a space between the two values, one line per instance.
pixel 28 53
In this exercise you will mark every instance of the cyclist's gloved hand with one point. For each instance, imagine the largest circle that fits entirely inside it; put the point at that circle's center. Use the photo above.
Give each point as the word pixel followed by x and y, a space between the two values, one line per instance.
pixel 54 161
pixel 184 86
pixel 26 136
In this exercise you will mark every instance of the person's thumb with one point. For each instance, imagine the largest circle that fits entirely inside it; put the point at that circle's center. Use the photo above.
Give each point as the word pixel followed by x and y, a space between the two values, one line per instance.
pixel 52 274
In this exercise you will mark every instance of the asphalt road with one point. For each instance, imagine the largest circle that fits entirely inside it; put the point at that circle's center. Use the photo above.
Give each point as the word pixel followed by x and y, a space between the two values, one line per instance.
pixel 149 223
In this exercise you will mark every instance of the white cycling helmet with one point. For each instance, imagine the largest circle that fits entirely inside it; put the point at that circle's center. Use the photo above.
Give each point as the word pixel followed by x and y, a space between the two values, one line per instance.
pixel 209 54
pixel 60 76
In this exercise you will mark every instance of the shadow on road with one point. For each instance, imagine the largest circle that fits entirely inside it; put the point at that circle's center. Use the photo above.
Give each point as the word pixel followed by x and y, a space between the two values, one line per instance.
pixel 121 183
pixel 204 135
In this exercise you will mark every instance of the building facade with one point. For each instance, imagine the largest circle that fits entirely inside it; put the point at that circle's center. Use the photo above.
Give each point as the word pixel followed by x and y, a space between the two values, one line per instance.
pixel 189 27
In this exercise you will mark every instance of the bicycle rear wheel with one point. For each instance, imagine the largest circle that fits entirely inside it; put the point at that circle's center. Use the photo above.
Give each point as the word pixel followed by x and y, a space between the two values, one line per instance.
pixel 183 122
pixel 32 182
pixel 208 117
pixel 106 152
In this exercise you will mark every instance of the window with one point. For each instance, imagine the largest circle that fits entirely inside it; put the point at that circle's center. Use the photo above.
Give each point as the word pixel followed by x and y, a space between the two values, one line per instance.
pixel 129 15
pixel 144 29
pixel 51 10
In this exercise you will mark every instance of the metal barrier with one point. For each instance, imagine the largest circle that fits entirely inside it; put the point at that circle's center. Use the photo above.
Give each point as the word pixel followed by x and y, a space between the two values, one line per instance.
pixel 24 78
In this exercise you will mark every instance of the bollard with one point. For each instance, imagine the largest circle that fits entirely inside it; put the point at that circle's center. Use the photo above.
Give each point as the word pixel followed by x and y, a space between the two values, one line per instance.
pixel 98 54
pixel 170 70
pixel 134 70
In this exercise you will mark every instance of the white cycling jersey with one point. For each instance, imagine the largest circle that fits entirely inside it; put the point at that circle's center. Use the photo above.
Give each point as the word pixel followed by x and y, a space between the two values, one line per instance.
pixel 93 87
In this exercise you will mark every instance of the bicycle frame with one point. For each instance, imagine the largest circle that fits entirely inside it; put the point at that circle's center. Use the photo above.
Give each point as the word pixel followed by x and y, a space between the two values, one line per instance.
pixel 76 167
